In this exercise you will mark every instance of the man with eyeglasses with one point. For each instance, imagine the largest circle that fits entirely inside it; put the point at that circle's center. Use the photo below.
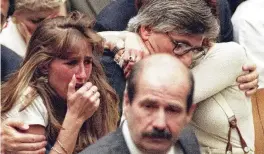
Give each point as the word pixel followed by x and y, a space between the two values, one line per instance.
pixel 182 48
pixel 186 29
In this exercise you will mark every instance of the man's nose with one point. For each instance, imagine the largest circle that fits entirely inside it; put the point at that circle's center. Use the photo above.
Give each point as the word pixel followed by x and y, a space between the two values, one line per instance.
pixel 160 120
pixel 186 59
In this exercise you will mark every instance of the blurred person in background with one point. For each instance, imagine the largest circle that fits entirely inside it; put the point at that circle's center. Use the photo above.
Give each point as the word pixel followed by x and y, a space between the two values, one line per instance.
pixel 27 14
pixel 10 61
pixel 249 32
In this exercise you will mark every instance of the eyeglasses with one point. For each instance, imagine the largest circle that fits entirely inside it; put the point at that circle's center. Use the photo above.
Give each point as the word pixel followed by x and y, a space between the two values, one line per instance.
pixel 181 48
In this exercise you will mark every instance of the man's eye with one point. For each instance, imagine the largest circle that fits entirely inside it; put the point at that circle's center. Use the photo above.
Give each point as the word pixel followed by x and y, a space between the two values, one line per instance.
pixel 200 49
pixel 150 106
pixel 36 21
pixel 180 46
pixel 174 110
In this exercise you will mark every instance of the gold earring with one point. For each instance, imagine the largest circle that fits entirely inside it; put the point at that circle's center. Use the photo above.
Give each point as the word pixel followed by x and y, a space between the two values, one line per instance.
pixel 14 20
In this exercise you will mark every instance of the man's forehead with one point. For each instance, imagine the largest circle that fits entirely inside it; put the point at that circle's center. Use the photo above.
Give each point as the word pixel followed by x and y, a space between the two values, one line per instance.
pixel 162 101
pixel 167 93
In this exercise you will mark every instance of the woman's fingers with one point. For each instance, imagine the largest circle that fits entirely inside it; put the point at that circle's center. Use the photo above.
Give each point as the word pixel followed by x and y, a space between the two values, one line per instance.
pixel 84 89
pixel 71 86
pixel 91 93
pixel 249 81
pixel 251 76
pixel 251 92
pixel 251 73
pixel 84 102
pixel 249 67
pixel 249 85
pixel 128 68
pixel 132 55
pixel 94 97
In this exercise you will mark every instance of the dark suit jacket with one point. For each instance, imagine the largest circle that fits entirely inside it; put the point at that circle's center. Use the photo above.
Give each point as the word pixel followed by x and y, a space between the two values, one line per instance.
pixel 115 16
pixel 89 7
pixel 226 27
pixel 10 62
pixel 114 143
pixel 114 74
pixel 234 4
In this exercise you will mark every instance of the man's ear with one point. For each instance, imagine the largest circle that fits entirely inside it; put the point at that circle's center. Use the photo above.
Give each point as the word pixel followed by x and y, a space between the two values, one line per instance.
pixel 145 32
pixel 190 113
pixel 126 103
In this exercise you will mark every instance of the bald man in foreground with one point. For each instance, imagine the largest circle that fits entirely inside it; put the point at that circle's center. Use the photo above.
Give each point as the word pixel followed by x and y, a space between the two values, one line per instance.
pixel 158 106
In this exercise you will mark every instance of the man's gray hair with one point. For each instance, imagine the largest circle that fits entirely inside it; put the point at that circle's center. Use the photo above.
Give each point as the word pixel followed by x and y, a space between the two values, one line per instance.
pixel 180 16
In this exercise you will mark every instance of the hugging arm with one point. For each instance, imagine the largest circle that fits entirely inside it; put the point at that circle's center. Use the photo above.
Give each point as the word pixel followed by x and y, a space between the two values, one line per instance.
pixel 219 70
pixel 133 48
pixel 249 81
pixel 16 137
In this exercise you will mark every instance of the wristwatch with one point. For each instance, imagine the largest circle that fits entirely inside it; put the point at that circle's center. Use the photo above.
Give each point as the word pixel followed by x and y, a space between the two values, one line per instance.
pixel 119 46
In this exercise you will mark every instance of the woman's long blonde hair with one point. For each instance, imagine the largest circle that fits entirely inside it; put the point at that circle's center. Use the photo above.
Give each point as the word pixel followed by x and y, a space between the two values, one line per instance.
pixel 53 39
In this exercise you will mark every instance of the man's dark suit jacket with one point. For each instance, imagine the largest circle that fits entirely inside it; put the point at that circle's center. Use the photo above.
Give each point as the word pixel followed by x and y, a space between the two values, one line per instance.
pixel 10 62
pixel 114 74
pixel 115 16
pixel 114 143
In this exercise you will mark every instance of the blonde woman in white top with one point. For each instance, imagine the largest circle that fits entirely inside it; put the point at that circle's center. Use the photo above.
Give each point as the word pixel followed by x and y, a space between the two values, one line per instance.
pixel 27 15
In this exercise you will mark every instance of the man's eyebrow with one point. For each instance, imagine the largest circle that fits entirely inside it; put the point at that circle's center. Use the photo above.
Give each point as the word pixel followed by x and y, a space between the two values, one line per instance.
pixel 182 41
pixel 148 100
pixel 176 106
pixel 186 42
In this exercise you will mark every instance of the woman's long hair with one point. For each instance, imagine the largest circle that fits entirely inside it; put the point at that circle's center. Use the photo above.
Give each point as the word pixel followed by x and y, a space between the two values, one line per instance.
pixel 54 38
